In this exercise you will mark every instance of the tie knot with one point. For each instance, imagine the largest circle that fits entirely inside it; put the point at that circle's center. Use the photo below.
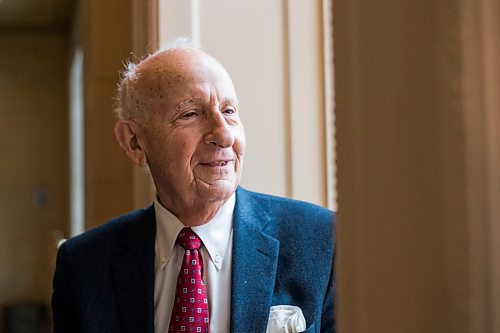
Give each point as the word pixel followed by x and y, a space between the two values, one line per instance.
pixel 188 239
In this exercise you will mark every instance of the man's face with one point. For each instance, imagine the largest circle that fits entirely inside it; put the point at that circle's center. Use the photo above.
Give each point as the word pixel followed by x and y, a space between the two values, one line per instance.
pixel 193 139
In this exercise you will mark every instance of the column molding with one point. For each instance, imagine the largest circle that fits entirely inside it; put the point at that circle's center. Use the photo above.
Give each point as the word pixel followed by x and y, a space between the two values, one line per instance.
pixel 307 101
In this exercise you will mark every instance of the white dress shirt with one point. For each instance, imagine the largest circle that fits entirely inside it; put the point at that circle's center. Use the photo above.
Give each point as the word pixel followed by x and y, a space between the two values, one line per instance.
pixel 217 238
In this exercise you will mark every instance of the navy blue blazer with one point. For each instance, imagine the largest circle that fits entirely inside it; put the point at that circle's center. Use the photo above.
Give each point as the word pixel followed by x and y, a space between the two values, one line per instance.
pixel 283 253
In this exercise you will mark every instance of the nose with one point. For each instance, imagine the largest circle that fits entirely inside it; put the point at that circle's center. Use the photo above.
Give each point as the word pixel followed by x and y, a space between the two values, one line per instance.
pixel 219 132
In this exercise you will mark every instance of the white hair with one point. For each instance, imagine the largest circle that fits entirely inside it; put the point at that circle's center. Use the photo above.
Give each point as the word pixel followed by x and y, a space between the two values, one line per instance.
pixel 127 104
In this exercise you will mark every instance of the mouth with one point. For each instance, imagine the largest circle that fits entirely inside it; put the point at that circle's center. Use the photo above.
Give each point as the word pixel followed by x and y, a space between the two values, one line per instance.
pixel 216 164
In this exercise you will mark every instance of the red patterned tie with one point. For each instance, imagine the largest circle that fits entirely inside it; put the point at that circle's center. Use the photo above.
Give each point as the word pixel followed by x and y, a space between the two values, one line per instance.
pixel 190 310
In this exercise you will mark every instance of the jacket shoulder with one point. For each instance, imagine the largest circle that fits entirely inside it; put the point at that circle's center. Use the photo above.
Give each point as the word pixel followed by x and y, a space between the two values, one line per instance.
pixel 289 209
pixel 132 224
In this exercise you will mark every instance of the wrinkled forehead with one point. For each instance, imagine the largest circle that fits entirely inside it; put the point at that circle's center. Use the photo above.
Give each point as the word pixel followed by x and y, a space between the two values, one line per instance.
pixel 168 69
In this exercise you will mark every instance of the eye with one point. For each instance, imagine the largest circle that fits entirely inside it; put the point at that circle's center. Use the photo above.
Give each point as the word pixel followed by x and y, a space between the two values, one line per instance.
pixel 189 114
pixel 229 111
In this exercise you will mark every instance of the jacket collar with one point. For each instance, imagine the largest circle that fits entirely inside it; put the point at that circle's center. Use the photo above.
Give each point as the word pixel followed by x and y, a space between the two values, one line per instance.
pixel 255 261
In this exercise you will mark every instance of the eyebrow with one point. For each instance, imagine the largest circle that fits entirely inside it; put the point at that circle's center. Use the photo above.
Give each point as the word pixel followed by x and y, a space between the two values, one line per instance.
pixel 229 101
pixel 190 100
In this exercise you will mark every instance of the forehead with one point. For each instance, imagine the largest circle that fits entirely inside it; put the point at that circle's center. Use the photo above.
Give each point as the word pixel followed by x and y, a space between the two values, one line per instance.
pixel 180 74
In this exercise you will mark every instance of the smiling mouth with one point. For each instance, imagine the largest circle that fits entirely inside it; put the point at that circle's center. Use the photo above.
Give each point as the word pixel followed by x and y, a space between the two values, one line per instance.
pixel 216 164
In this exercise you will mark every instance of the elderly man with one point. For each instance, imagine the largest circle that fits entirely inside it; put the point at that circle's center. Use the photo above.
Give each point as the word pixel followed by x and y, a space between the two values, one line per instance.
pixel 207 255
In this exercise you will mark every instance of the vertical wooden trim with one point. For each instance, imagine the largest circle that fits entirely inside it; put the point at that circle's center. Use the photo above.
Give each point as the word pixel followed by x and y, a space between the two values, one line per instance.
pixel 329 93
pixel 145 40
pixel 154 25
pixel 144 26
pixel 289 190
pixel 481 103
pixel 489 19
pixel 473 102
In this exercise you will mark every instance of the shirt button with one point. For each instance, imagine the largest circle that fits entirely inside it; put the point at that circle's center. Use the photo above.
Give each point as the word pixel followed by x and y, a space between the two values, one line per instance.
pixel 217 258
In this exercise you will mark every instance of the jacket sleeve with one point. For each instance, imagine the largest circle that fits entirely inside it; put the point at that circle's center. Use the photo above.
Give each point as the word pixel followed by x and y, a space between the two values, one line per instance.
pixel 63 307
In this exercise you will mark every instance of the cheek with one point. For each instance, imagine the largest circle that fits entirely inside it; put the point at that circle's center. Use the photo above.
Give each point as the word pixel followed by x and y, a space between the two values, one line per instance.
pixel 240 143
pixel 182 149
pixel 185 152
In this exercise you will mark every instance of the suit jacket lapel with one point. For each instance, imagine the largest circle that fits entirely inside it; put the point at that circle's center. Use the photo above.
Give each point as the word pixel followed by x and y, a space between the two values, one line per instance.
pixel 133 273
pixel 255 261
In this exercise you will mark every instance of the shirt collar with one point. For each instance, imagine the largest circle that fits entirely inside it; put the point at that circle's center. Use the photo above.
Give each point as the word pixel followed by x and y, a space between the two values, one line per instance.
pixel 215 234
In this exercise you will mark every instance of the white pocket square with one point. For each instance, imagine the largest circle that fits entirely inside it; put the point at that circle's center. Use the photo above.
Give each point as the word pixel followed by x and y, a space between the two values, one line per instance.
pixel 286 319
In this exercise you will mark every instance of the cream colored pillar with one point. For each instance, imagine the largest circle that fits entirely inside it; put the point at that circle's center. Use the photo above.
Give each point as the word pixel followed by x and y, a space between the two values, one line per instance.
pixel 417 126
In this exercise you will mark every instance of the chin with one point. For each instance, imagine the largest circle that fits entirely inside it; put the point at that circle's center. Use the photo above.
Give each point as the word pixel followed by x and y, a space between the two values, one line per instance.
pixel 218 191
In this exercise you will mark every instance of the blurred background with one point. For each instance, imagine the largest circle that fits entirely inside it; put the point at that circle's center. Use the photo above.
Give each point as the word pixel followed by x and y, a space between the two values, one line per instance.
pixel 386 111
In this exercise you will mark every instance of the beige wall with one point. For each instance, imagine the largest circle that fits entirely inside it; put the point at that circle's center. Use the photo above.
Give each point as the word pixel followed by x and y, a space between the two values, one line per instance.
pixel 33 134
pixel 274 53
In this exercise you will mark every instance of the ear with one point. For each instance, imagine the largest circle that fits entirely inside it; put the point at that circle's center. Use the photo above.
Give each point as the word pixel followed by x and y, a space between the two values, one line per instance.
pixel 127 135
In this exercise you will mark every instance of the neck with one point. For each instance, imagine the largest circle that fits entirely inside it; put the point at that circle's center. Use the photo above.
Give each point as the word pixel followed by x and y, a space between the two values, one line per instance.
pixel 193 214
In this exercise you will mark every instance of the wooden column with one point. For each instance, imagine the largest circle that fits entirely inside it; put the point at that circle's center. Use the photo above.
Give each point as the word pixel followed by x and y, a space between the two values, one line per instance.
pixel 106 40
pixel 417 127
